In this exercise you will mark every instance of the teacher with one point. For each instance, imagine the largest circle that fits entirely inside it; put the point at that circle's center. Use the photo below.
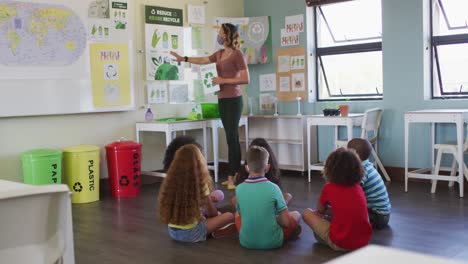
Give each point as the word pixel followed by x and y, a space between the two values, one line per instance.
pixel 232 72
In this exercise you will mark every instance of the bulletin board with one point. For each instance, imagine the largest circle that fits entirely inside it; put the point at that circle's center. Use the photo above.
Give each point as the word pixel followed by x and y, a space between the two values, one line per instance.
pixel 291 74
pixel 64 57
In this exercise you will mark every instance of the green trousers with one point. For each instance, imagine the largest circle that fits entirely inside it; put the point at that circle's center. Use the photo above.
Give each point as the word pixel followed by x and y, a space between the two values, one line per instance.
pixel 230 111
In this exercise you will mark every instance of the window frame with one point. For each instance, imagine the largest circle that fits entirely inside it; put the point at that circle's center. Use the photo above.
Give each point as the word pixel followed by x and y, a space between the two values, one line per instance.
pixel 370 46
pixel 444 40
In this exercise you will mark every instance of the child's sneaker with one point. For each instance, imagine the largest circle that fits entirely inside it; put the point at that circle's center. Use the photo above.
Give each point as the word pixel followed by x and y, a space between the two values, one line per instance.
pixel 225 231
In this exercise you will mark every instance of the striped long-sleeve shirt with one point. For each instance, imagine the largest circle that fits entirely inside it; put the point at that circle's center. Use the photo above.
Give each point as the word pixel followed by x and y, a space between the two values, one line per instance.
pixel 375 190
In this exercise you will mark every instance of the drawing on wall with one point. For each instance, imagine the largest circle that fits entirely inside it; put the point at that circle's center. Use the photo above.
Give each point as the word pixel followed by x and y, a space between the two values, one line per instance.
pixel 111 71
pixel 297 62
pixel 289 38
pixel 157 93
pixel 267 102
pixel 207 73
pixel 285 84
pixel 198 92
pixel 98 9
pixel 284 63
pixel 178 93
pixel 196 14
pixel 111 93
pixel 161 66
pixel 197 37
pixel 294 24
pixel 298 81
pixel 119 15
pixel 99 29
pixel 58 37
pixel 163 34
pixel 267 82
pixel 255 35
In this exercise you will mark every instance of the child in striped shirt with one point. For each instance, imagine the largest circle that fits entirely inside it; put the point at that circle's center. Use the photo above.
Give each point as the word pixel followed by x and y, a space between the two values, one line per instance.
pixel 378 203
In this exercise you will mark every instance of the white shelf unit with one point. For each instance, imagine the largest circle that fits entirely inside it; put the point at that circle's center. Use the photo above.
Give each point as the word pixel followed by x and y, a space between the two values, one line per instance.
pixel 287 135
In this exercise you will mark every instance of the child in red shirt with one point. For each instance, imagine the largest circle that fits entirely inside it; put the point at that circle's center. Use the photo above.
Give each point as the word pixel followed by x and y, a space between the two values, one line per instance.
pixel 349 228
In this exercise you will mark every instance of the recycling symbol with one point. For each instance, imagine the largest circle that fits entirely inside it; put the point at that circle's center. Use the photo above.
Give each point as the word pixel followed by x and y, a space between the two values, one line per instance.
pixel 124 181
pixel 77 187
pixel 207 81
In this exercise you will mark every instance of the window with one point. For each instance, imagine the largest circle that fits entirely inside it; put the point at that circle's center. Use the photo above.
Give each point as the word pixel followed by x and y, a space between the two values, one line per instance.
pixel 349 50
pixel 450 49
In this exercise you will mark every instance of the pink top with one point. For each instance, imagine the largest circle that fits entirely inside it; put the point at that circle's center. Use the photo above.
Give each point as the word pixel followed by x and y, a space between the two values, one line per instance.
pixel 229 67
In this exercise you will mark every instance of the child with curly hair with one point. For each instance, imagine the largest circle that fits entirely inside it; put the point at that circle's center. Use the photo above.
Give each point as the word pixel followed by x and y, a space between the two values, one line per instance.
pixel 183 195
pixel 216 196
pixel 349 228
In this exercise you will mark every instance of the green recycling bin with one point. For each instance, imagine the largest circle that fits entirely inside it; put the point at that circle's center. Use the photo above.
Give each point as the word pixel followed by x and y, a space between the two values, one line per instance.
pixel 42 166
pixel 81 172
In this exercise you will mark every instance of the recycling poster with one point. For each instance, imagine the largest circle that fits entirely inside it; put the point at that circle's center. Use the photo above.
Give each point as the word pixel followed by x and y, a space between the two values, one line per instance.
pixel 163 33
pixel 207 73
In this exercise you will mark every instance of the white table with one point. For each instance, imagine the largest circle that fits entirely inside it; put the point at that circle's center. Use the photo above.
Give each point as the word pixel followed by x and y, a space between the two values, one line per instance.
pixel 321 120
pixel 13 189
pixel 215 124
pixel 386 255
pixel 169 128
pixel 433 116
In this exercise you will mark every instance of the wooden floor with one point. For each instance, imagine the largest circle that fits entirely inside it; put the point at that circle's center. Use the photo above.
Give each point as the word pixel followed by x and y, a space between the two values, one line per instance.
pixel 128 231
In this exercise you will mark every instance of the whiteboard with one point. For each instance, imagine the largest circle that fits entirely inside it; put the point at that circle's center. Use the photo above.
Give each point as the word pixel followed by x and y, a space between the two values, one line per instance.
pixel 30 89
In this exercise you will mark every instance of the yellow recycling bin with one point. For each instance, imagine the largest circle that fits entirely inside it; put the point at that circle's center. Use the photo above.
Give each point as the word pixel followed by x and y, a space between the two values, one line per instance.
pixel 81 172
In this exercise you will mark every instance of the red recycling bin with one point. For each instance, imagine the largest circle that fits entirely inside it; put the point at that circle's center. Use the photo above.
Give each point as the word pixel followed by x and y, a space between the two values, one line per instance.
pixel 124 167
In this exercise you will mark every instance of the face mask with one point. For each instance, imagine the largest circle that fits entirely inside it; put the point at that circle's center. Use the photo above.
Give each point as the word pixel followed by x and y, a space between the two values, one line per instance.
pixel 220 40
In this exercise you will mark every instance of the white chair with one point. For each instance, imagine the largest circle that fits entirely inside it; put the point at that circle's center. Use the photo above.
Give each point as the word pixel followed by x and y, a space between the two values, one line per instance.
pixel 453 150
pixel 370 131
pixel 35 224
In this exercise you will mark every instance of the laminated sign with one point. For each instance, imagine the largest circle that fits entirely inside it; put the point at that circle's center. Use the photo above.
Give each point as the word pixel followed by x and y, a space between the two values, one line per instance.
pixel 208 72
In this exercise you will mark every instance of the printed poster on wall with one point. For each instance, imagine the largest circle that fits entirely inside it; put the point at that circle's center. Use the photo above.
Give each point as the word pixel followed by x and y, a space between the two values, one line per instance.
pixel 255 35
pixel 163 33
pixel 157 93
pixel 119 15
pixel 110 74
pixel 207 73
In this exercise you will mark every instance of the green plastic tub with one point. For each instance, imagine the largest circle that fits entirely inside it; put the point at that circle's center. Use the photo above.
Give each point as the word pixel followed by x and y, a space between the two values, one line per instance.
pixel 210 110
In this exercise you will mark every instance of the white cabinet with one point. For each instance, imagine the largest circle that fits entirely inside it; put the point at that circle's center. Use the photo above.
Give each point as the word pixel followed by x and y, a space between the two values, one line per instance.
pixel 287 135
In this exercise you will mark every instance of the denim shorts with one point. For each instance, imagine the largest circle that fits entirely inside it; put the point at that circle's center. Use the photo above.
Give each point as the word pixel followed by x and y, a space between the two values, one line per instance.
pixel 195 234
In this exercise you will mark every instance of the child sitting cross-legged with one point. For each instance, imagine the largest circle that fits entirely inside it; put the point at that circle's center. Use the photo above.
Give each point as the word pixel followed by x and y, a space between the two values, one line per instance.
pixel 349 228
pixel 262 218
pixel 378 203
pixel 272 174
pixel 216 196
pixel 185 193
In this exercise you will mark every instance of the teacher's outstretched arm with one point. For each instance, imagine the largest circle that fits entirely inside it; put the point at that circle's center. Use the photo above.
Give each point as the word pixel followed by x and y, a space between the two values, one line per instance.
pixel 194 60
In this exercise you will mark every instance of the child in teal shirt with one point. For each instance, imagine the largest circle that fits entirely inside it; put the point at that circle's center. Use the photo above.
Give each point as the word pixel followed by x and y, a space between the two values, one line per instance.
pixel 262 218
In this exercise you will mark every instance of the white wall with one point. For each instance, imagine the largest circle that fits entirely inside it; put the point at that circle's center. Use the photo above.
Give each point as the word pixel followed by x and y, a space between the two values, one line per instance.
pixel 19 134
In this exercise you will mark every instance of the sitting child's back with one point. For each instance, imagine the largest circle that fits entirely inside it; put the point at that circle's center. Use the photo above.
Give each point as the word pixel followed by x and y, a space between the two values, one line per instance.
pixel 259 201
pixel 262 218
pixel 378 202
